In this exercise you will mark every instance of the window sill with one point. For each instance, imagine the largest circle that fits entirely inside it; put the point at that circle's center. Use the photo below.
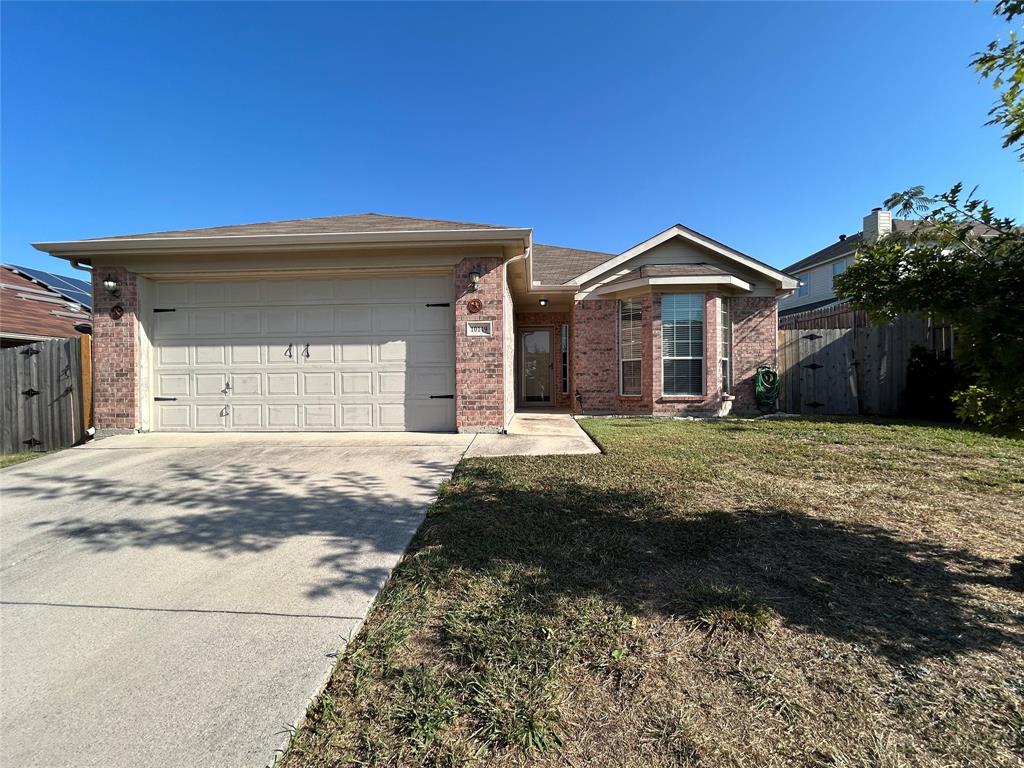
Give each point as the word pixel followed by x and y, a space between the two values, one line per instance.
pixel 630 397
pixel 681 398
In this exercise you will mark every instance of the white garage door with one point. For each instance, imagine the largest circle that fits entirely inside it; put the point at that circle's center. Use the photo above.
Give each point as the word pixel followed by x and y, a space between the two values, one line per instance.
pixel 282 355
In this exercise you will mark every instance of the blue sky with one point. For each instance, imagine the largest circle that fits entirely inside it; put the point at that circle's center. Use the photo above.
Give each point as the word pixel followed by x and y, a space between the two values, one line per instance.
pixel 772 127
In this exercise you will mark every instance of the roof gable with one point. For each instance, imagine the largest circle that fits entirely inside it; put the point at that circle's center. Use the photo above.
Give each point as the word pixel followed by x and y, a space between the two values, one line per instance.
pixel 723 251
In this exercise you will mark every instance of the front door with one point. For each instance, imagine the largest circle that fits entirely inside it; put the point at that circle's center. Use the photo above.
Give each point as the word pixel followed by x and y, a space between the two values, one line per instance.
pixel 537 367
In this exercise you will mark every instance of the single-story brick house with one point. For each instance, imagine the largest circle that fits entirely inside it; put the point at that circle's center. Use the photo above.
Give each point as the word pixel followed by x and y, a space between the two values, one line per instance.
pixel 371 322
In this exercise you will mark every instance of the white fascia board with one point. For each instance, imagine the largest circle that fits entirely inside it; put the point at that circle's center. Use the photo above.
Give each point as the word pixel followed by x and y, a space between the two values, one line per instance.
pixel 785 281
pixel 320 240
pixel 643 282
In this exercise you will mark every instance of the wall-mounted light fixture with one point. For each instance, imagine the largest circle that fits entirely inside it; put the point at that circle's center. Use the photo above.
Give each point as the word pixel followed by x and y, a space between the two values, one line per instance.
pixel 543 302
pixel 112 286
pixel 474 281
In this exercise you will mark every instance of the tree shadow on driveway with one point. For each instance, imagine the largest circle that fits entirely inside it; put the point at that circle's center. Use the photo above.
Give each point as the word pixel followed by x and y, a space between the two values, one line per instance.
pixel 230 508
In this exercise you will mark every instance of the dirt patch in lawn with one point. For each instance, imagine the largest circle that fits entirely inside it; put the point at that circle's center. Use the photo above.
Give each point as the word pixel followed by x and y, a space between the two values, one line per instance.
pixel 715 594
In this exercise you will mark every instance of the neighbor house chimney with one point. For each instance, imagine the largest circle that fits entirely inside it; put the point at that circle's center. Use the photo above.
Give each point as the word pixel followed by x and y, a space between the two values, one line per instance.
pixel 877 225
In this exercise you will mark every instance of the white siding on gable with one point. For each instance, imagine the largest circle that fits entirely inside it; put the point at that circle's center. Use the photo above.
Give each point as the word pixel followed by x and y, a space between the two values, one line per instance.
pixel 819 285
pixel 680 252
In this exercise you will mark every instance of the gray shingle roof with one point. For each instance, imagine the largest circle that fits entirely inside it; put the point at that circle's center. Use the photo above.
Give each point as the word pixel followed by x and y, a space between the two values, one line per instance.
pixel 853 242
pixel 556 264
pixel 834 251
pixel 355 223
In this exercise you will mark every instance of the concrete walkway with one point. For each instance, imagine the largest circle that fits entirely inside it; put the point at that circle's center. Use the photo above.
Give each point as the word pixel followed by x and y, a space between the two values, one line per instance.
pixel 177 599
pixel 536 433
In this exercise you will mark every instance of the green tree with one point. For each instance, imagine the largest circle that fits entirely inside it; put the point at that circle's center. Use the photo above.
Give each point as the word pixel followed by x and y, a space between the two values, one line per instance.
pixel 964 264
pixel 1003 64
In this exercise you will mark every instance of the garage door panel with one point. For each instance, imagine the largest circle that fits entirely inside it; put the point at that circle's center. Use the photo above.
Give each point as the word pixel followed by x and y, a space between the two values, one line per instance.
pixel 210 416
pixel 426 382
pixel 209 354
pixel 283 416
pixel 320 416
pixel 246 384
pixel 169 325
pixel 435 287
pixel 172 355
pixel 173 416
pixel 349 320
pixel 436 319
pixel 244 293
pixel 356 416
pixel 391 319
pixel 356 382
pixel 338 354
pixel 209 293
pixel 243 322
pixel 279 322
pixel 246 416
pixel 173 294
pixel 432 351
pixel 316 320
pixel 282 384
pixel 245 354
pixel 173 385
pixel 357 352
pixel 210 384
pixel 317 353
pixel 318 384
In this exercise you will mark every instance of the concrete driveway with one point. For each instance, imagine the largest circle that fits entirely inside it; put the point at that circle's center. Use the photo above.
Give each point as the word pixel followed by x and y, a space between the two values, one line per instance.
pixel 175 600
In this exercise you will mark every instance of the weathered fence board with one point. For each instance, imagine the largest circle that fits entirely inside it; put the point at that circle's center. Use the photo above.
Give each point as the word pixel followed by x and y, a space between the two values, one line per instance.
pixel 857 369
pixel 41 396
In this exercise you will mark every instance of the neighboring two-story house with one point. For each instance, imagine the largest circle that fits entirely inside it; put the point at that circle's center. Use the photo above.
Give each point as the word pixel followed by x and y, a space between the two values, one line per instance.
pixel 817 272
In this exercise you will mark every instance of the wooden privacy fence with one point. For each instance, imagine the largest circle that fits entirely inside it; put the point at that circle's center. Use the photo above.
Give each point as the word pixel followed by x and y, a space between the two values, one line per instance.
pixel 849 371
pixel 43 403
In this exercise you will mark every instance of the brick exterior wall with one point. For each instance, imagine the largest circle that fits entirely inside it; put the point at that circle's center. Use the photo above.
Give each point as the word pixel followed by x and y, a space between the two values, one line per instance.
pixel 594 348
pixel 479 360
pixel 554 322
pixel 755 324
pixel 115 352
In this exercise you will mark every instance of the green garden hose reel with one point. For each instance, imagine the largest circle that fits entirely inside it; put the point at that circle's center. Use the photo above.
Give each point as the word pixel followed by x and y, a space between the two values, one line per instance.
pixel 766 388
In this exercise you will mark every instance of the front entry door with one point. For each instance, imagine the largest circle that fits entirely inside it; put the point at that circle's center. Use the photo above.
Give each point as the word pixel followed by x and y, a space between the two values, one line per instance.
pixel 537 367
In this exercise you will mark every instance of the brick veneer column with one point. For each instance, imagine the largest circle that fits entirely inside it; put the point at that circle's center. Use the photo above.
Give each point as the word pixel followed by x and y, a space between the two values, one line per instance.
pixel 115 352
pixel 594 362
pixel 479 360
pixel 755 325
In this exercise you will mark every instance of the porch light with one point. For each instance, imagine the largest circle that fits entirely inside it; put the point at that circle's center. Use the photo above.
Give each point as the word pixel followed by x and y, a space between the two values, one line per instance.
pixel 474 281
pixel 543 302
pixel 111 285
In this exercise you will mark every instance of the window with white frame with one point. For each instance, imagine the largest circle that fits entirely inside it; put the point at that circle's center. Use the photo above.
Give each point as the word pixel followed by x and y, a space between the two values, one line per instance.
pixel 725 352
pixel 838 267
pixel 630 373
pixel 682 343
pixel 805 284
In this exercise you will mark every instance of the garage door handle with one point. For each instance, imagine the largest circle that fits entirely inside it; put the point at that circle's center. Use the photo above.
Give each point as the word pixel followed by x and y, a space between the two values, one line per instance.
pixel 305 352
pixel 442 397
pixel 288 352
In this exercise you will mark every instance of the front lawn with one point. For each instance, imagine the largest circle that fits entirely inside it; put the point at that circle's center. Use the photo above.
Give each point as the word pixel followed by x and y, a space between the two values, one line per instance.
pixel 742 593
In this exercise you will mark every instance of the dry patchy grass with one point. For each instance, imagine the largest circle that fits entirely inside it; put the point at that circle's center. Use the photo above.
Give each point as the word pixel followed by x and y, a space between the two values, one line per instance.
pixel 738 593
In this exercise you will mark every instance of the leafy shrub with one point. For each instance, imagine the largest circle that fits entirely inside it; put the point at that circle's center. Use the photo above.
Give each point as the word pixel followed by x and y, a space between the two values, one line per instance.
pixel 931 381
pixel 1001 412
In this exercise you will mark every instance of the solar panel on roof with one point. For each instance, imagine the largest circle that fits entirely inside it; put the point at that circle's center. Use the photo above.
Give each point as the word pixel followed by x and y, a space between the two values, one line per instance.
pixel 70 287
